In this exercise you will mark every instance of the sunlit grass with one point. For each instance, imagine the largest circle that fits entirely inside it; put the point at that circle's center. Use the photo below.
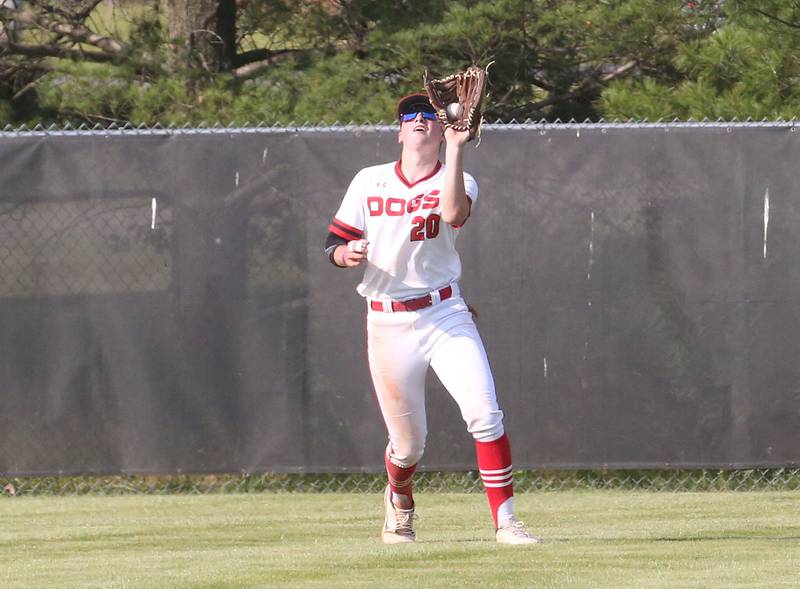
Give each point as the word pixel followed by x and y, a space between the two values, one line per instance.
pixel 114 19
pixel 591 539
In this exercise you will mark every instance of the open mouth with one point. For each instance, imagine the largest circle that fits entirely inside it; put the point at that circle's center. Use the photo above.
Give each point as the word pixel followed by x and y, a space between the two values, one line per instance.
pixel 422 128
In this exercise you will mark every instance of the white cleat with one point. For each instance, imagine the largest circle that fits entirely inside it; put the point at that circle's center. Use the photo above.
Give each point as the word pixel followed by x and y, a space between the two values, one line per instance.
pixel 398 527
pixel 513 531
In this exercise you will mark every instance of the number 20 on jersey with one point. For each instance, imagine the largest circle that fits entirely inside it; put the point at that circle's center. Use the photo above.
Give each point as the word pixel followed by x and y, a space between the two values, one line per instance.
pixel 422 228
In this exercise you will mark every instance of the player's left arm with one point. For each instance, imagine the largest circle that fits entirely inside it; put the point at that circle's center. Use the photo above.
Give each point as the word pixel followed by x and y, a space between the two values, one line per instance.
pixel 455 202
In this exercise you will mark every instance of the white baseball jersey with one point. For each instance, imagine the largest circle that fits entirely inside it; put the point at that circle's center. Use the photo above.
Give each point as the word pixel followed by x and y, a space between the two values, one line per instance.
pixel 411 250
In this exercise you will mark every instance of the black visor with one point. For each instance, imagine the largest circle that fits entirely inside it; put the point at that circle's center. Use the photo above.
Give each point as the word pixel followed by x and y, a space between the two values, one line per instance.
pixel 414 103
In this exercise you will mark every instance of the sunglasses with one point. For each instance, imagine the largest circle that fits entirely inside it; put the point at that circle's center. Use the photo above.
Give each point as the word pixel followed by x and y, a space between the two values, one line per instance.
pixel 410 116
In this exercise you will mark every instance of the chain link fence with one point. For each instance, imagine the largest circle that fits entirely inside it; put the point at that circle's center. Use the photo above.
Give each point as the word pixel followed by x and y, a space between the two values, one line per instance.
pixel 83 246
pixel 773 479
pixel 338 126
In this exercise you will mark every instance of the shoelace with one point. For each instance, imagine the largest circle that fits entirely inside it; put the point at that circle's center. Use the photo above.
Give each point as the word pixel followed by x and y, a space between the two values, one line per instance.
pixel 517 528
pixel 404 519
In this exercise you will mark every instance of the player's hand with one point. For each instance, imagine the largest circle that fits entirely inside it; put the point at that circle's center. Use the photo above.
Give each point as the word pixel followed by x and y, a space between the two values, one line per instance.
pixel 354 253
pixel 456 138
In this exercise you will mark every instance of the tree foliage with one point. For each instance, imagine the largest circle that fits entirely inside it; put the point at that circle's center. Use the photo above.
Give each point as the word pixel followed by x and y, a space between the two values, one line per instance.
pixel 229 61
pixel 749 68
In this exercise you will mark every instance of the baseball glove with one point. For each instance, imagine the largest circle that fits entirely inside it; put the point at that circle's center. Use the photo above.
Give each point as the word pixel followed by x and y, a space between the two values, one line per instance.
pixel 458 99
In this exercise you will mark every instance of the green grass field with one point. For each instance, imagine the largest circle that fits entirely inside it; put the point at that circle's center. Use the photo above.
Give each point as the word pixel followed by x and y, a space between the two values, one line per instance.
pixel 592 539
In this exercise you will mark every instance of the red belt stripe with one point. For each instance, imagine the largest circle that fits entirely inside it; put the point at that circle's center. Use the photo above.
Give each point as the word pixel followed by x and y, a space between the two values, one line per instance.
pixel 414 304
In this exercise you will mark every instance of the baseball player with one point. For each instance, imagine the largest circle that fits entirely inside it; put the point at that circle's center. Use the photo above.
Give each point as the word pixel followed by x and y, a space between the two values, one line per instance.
pixel 400 221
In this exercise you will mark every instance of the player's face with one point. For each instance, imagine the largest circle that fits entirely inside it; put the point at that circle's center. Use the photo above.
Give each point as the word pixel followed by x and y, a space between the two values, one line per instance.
pixel 420 131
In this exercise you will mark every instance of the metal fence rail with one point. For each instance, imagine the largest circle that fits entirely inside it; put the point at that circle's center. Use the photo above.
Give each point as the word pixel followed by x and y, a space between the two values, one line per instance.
pixel 339 126
pixel 780 479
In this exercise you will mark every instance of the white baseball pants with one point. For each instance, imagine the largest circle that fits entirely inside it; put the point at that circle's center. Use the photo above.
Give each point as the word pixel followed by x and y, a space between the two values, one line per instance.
pixel 402 345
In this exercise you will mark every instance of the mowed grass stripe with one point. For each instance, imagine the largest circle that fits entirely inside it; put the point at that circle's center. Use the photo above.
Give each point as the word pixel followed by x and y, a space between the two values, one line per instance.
pixel 592 539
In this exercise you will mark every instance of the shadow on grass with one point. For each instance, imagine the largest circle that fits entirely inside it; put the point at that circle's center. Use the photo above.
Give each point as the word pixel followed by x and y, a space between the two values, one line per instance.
pixel 725 538
pixel 455 541
pixel 629 539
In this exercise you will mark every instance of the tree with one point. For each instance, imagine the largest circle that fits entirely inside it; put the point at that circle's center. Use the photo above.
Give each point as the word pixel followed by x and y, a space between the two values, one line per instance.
pixel 181 61
pixel 207 29
pixel 553 58
pixel 747 69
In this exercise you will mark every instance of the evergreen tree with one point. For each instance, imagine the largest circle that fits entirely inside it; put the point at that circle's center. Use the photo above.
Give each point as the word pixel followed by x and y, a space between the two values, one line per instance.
pixel 240 61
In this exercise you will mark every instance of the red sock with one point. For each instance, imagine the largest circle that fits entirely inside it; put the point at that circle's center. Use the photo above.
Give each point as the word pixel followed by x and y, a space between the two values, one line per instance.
pixel 400 479
pixel 494 463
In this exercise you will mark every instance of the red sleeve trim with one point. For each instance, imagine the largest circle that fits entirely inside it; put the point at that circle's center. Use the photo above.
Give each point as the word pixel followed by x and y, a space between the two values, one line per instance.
pixel 345 231
pixel 343 234
pixel 350 228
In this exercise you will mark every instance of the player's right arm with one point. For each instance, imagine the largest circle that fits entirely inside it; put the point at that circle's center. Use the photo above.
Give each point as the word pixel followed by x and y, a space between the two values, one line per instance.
pixel 345 245
pixel 343 255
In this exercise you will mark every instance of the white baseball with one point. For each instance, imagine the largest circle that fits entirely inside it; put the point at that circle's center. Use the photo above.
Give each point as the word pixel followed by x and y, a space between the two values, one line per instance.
pixel 357 245
pixel 454 110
